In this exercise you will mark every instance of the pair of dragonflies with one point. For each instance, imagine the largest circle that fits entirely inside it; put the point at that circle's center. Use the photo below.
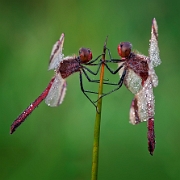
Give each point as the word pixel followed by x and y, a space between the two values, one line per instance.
pixel 136 72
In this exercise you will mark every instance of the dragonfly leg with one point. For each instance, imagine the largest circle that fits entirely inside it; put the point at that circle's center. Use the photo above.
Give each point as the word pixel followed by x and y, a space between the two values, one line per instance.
pixel 94 73
pixel 119 84
pixel 92 61
pixel 86 91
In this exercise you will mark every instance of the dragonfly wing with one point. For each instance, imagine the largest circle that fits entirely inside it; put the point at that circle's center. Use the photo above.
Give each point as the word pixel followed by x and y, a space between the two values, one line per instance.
pixel 153 46
pixel 142 107
pixel 56 53
pixel 154 77
pixel 133 81
pixel 57 92
pixel 154 59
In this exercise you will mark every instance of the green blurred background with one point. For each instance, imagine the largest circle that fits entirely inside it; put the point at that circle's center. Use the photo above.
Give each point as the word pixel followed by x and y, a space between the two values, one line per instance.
pixel 56 143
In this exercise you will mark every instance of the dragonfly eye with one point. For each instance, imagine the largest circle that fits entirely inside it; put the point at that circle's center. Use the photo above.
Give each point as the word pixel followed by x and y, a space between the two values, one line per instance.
pixel 124 49
pixel 89 54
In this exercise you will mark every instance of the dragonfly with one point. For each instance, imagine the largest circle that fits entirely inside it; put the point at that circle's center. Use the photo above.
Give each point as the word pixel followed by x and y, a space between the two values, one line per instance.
pixel 138 75
pixel 55 92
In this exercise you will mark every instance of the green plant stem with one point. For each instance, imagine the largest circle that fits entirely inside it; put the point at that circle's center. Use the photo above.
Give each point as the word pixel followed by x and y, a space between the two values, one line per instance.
pixel 98 121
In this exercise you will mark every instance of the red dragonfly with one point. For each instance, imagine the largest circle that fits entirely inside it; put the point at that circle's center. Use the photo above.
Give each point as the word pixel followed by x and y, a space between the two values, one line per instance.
pixel 63 67
pixel 138 75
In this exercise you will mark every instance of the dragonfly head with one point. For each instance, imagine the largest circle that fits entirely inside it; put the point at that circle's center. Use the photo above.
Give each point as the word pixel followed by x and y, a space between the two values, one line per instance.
pixel 85 55
pixel 124 49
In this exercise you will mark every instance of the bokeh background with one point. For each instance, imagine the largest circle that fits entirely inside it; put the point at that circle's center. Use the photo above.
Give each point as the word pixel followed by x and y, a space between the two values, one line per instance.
pixel 56 143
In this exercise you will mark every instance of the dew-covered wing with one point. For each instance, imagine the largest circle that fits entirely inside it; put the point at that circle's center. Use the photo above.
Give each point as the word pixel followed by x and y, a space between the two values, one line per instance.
pixel 133 81
pixel 56 53
pixel 142 107
pixel 153 46
pixel 57 92
pixel 154 59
